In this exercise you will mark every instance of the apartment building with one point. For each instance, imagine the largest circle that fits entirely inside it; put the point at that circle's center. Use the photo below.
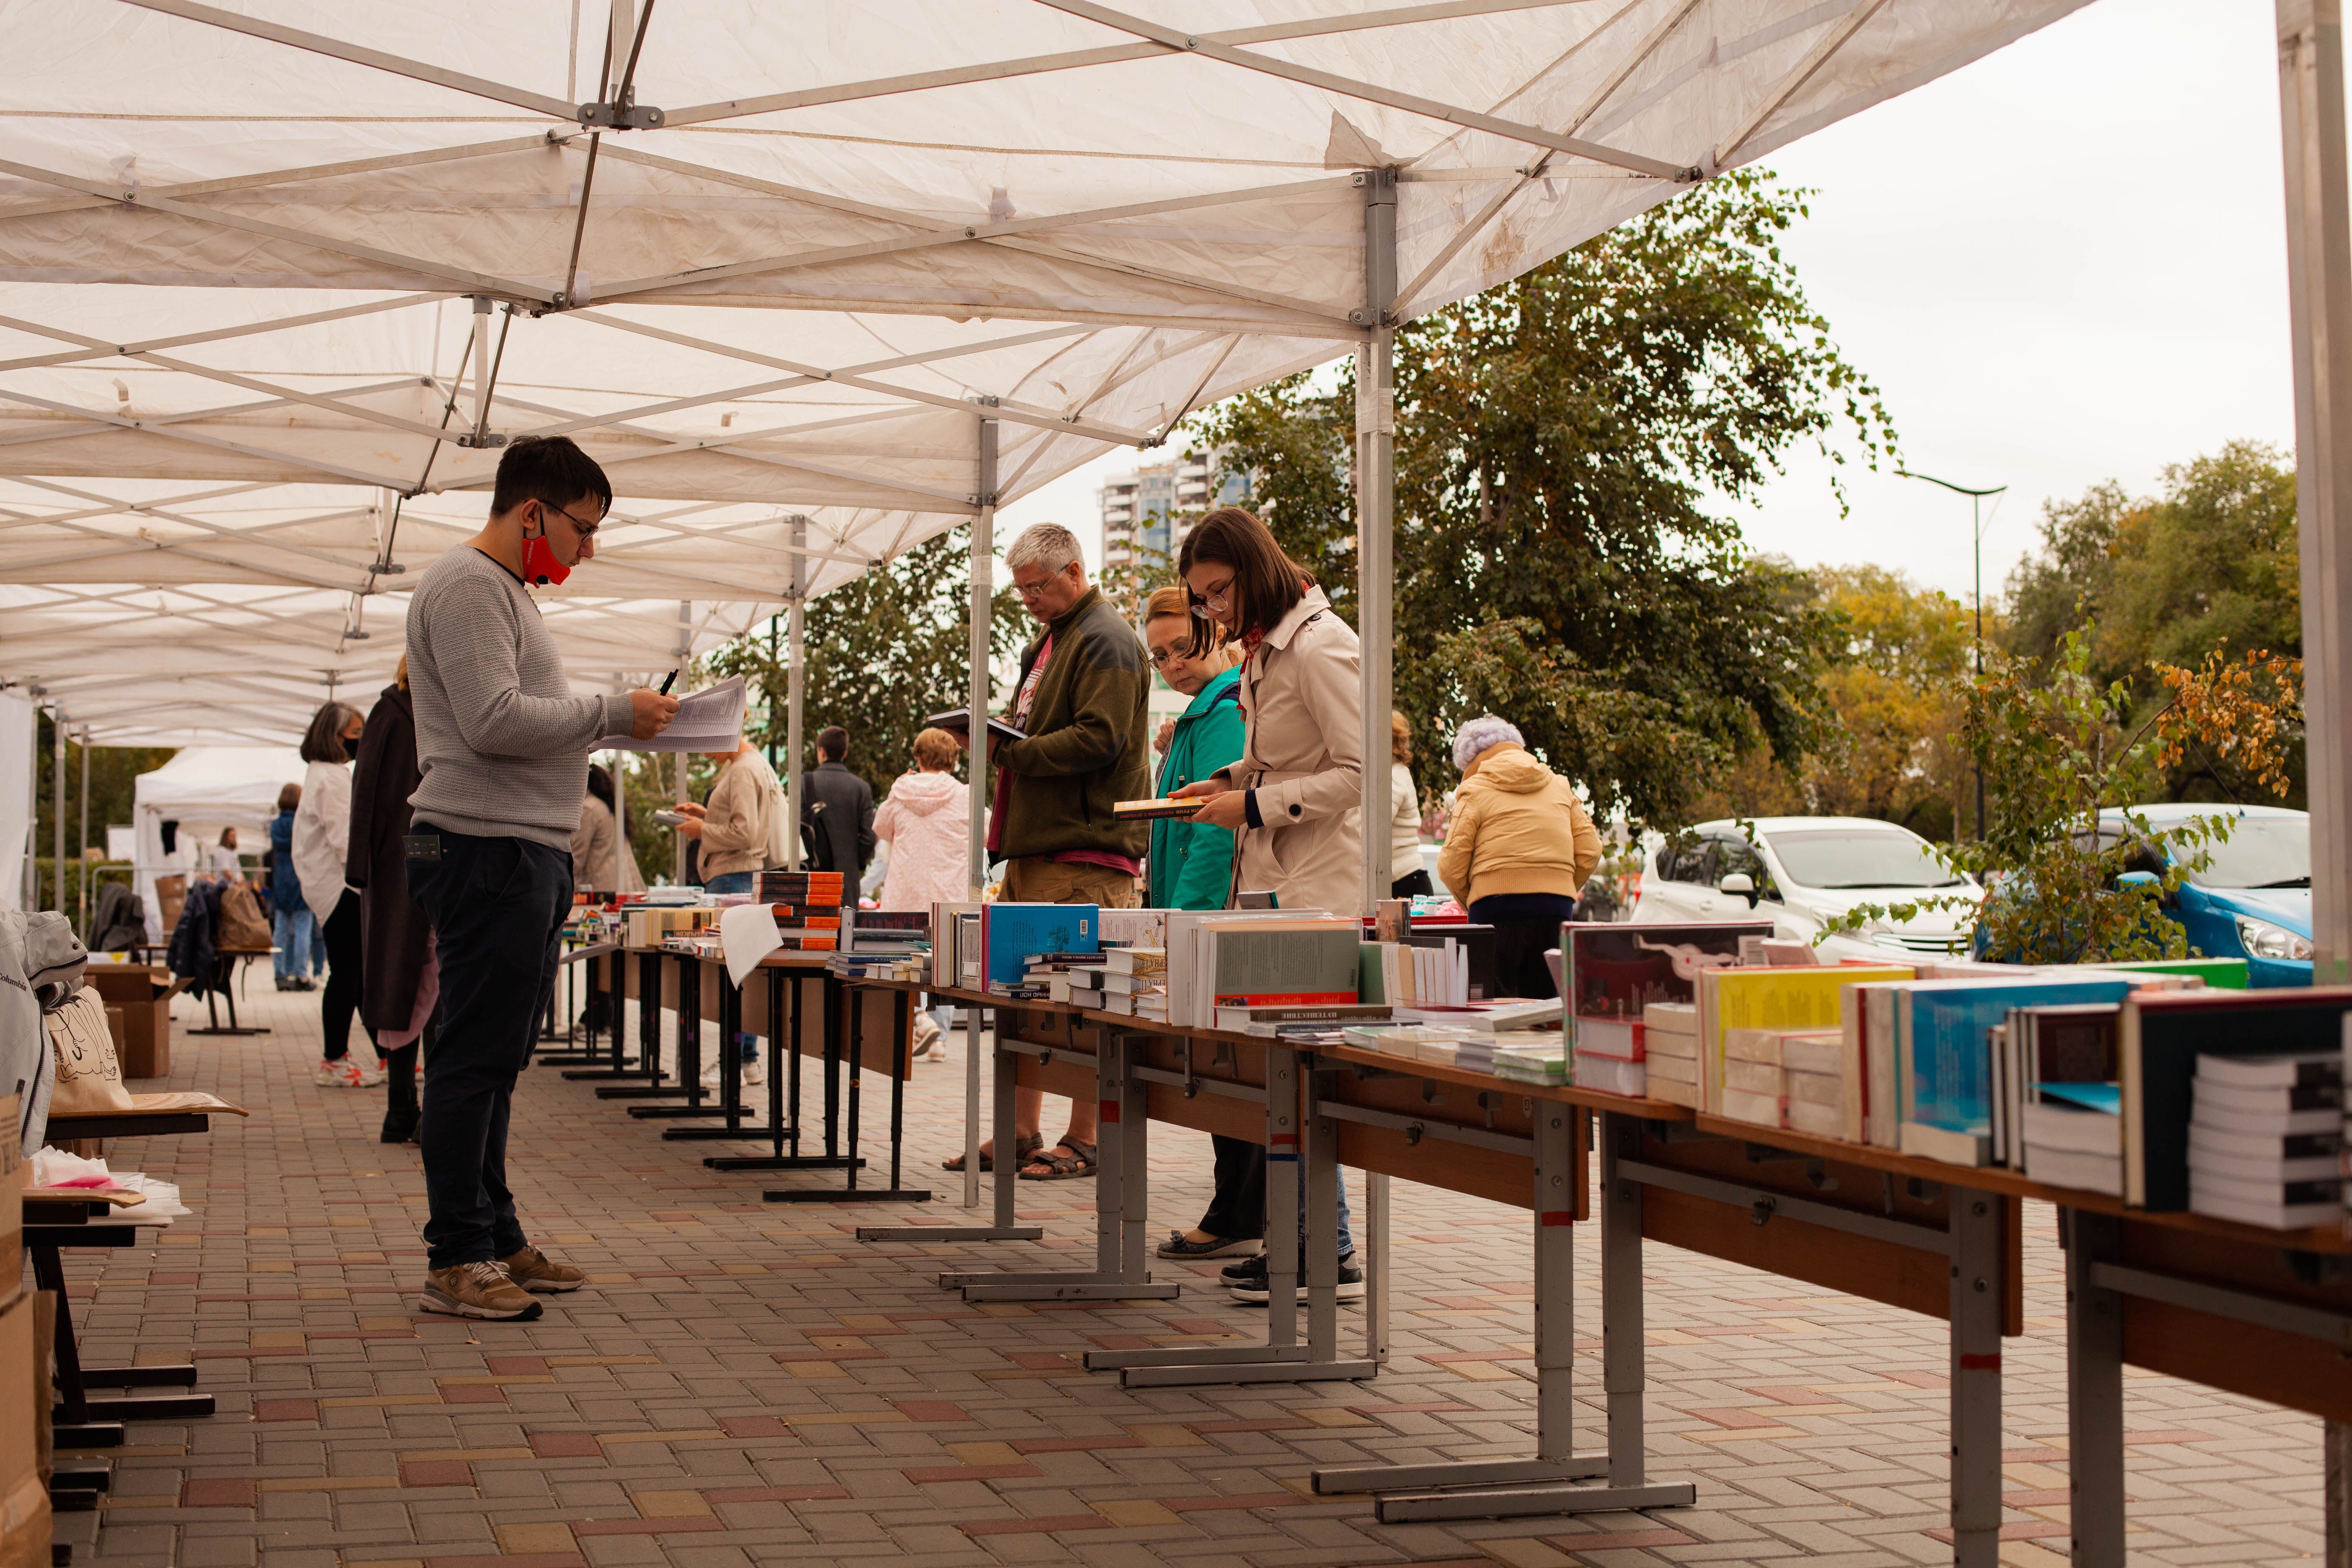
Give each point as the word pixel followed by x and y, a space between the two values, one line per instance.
pixel 1146 514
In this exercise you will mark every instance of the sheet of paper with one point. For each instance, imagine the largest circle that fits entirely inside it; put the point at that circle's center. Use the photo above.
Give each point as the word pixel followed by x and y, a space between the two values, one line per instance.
pixel 747 932
pixel 710 719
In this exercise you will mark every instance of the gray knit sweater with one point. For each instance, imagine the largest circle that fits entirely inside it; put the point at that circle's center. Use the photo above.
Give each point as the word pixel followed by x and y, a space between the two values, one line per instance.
pixel 500 739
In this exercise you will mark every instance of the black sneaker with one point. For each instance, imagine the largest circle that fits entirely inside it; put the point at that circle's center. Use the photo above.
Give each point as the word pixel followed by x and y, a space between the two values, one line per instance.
pixel 1259 1289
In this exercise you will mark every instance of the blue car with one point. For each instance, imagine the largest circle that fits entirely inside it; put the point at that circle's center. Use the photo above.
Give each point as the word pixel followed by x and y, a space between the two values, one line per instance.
pixel 2253 900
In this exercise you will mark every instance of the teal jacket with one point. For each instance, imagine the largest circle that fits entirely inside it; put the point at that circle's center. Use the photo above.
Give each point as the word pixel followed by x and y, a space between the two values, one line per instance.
pixel 1191 867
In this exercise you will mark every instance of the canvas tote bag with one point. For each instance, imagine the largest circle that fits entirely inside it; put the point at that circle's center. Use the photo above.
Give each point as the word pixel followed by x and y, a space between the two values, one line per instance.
pixel 89 1079
pixel 241 923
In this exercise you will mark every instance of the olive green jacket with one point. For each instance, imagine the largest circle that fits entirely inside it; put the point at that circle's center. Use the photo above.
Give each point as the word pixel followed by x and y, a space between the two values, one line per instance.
pixel 1088 746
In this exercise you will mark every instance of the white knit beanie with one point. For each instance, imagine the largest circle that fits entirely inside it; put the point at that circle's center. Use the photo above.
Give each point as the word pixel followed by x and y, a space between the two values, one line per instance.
pixel 1479 734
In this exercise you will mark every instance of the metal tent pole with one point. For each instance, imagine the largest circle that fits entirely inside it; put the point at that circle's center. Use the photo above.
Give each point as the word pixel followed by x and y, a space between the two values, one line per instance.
pixel 984 593
pixel 58 795
pixel 2319 293
pixel 1375 512
pixel 81 843
pixel 678 759
pixel 795 691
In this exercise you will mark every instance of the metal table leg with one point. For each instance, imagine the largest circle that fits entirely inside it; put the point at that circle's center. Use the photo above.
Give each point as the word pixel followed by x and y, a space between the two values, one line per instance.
pixel 850 1192
pixel 1108 1280
pixel 687 1050
pixel 649 1009
pixel 779 1129
pixel 1003 1066
pixel 1556 1461
pixel 1977 1286
pixel 2094 1391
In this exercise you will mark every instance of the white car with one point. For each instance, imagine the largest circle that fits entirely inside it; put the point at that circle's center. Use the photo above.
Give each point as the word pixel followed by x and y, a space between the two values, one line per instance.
pixel 1801 873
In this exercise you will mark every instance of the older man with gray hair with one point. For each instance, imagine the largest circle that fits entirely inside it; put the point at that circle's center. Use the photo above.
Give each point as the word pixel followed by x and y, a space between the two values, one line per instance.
pixel 1081 705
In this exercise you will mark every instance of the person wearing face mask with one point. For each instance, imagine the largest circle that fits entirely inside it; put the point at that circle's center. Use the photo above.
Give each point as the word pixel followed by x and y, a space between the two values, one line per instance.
pixel 322 831
pixel 1292 799
pixel 1191 867
pixel 502 749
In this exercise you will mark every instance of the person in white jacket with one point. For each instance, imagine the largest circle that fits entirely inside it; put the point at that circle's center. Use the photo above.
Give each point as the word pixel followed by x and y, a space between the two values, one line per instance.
pixel 927 823
pixel 323 831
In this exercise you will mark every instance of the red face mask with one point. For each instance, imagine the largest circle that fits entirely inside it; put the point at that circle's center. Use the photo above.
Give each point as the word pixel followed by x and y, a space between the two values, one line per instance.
pixel 540 566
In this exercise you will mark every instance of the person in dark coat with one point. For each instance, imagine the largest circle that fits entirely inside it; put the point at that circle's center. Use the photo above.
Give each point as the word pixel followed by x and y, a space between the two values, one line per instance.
pixel 394 932
pixel 837 813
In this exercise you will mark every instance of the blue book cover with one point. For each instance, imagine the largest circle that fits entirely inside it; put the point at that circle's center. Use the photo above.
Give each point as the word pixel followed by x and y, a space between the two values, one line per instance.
pixel 1015 932
pixel 1947 1066
pixel 2103 1096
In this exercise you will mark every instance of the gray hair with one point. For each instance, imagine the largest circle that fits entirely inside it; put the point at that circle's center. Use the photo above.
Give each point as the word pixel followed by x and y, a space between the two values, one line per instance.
pixel 1480 732
pixel 1048 546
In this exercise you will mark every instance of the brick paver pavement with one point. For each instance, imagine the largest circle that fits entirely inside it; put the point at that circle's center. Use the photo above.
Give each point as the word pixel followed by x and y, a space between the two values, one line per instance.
pixel 746 1383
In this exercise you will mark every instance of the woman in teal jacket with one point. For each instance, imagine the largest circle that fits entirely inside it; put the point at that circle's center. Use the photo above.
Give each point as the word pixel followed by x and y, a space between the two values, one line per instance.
pixel 1191 867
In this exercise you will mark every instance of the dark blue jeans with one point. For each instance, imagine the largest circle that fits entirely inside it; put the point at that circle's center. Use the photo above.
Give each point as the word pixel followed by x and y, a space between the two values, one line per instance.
pixel 497 906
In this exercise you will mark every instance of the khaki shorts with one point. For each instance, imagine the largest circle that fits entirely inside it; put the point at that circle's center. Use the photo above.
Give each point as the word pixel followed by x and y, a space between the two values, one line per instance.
pixel 1029 879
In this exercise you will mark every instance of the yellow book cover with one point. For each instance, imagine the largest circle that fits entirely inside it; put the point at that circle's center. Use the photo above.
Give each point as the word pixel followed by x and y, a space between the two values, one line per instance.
pixel 1760 997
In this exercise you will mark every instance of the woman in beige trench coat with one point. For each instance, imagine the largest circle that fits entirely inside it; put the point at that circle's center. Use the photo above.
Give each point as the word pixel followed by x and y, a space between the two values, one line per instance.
pixel 1296 796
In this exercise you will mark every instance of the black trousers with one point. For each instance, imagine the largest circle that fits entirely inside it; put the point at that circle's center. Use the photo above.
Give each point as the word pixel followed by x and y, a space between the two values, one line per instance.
pixel 340 997
pixel 1521 943
pixel 497 907
pixel 1238 1210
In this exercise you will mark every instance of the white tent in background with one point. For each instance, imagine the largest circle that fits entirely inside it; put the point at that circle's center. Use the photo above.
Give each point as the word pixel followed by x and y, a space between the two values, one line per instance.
pixel 203 789
pixel 18 730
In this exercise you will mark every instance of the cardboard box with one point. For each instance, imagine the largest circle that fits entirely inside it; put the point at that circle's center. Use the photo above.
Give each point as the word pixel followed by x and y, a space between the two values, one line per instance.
pixel 19 1444
pixel 143 1044
pixel 15 1174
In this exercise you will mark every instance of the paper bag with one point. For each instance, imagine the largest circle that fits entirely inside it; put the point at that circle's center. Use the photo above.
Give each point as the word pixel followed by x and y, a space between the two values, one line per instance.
pixel 89 1079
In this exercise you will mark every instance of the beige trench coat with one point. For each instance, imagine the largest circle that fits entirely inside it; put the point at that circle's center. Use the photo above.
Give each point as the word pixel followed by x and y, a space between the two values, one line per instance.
pixel 1302 701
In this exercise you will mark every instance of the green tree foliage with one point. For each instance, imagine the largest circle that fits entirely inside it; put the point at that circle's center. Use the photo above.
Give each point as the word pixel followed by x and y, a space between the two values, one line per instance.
pixel 883 650
pixel 1895 750
pixel 2057 745
pixel 113 771
pixel 2208 565
pixel 1560 439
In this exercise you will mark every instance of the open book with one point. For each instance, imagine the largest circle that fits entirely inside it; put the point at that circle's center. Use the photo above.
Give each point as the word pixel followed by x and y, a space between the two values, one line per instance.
pixel 958 720
pixel 710 719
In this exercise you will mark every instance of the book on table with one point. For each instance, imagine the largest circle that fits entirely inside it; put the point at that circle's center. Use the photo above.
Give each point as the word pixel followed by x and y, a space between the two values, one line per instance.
pixel 1179 936
pixel 1775 1001
pixel 1944 1061
pixel 1614 971
pixel 2268 1097
pixel 1010 933
pixel 1281 964
pixel 2162 1036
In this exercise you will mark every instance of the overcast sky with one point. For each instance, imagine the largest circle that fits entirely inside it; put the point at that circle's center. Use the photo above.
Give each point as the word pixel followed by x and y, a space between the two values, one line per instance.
pixel 2062 264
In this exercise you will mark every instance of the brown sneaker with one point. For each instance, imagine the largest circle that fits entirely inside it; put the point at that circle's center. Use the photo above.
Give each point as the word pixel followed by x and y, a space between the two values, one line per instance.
pixel 535 1270
pixel 477 1290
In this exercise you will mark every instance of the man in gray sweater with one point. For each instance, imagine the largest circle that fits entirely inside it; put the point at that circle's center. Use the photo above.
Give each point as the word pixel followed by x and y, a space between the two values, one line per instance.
pixel 503 748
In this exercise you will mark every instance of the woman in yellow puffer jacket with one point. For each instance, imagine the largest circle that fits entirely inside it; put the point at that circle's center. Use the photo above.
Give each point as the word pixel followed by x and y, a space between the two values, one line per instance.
pixel 1519 849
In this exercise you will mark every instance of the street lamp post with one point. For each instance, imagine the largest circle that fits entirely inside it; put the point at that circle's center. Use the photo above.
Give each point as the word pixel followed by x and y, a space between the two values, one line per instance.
pixel 1976 558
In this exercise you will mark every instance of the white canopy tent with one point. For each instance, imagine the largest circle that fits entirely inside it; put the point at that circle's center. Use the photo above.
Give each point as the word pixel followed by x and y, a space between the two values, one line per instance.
pixel 203 789
pixel 959 247
pixel 991 241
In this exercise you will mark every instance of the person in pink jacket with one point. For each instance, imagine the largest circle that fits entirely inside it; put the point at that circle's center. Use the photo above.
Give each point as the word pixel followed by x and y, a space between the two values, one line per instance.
pixel 926 824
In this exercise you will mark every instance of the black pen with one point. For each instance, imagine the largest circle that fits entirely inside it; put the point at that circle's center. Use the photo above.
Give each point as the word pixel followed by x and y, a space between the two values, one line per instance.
pixel 667 681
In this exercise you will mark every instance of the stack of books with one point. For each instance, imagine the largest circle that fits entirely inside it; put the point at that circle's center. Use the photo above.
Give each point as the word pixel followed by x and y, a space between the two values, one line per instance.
pixel 1135 982
pixel 1669 1051
pixel 2255 1124
pixel 807 906
pixel 1610 1055
pixel 1755 1084
pixel 821 887
pixel 1530 1056
pixel 898 933
pixel 2072 1135
pixel 1813 1069
pixel 1047 977
pixel 1322 1025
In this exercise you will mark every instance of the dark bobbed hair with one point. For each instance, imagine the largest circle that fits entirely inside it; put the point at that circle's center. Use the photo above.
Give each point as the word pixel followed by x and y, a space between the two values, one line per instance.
pixel 600 784
pixel 1267 584
pixel 552 470
pixel 324 741
pixel 290 797
pixel 833 742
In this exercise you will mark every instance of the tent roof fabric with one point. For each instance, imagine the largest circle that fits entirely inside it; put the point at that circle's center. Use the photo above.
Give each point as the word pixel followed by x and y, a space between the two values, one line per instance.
pixel 259 264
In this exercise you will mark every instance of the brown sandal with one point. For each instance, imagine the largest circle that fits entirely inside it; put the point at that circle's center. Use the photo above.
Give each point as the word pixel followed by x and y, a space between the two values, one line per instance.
pixel 1023 1147
pixel 1052 1167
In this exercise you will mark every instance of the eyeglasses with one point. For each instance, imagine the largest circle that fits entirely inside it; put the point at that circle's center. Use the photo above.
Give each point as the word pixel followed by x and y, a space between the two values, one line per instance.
pixel 1165 656
pixel 1213 601
pixel 581 531
pixel 1033 592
